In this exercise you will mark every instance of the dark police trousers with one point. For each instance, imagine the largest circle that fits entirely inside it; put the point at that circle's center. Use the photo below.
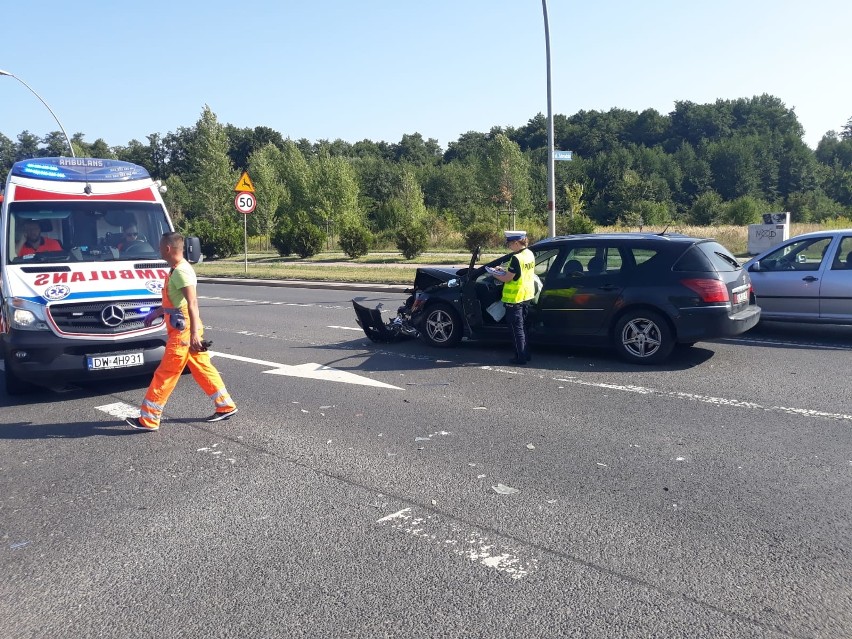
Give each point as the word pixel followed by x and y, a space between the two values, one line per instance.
pixel 516 316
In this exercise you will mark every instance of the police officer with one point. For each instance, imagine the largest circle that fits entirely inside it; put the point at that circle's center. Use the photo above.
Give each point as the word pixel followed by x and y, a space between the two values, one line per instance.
pixel 518 289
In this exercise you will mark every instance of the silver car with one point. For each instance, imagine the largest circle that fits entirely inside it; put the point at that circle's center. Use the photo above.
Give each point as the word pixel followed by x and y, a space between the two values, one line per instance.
pixel 808 278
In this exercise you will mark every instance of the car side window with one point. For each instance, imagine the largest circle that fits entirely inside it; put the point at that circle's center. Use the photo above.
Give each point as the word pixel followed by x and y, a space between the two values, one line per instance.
pixel 544 261
pixel 583 262
pixel 635 259
pixel 803 255
pixel 640 255
pixel 843 257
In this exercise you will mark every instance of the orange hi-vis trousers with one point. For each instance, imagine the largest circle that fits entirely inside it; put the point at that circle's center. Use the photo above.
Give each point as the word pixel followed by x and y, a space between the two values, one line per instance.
pixel 177 356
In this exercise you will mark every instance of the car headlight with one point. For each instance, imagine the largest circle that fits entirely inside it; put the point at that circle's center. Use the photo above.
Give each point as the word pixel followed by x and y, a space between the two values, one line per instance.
pixel 26 316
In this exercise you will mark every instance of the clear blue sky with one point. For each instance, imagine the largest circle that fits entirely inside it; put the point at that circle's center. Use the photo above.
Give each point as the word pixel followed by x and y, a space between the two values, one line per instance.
pixel 377 69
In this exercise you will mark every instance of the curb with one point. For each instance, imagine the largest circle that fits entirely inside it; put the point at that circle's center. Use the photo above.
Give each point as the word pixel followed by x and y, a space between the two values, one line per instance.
pixel 336 286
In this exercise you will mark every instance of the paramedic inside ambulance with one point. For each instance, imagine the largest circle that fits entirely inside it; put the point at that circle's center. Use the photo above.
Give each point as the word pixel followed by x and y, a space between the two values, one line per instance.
pixel 130 235
pixel 33 242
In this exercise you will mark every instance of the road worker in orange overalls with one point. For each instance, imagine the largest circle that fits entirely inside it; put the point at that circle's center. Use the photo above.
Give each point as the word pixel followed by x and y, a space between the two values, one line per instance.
pixel 183 346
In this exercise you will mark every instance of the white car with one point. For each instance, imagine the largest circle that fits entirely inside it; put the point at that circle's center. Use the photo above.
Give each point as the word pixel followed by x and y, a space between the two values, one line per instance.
pixel 808 278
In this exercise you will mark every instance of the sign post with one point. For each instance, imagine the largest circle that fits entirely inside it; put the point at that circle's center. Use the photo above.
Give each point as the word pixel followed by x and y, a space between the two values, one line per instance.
pixel 245 202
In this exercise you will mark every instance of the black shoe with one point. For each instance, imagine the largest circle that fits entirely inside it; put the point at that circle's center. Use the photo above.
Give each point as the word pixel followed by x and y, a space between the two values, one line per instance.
pixel 217 417
pixel 134 421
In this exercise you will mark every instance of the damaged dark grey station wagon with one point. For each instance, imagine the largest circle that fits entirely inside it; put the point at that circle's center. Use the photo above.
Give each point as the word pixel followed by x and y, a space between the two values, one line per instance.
pixel 641 294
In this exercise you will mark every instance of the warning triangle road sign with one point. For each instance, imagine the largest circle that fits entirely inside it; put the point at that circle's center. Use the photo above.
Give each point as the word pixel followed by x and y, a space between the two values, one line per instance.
pixel 244 184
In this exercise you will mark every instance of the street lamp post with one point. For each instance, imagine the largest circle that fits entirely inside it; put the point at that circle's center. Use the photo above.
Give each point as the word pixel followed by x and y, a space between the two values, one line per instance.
pixel 551 168
pixel 67 139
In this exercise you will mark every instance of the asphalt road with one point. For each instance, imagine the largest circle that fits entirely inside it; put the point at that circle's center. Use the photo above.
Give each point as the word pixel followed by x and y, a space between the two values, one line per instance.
pixel 354 493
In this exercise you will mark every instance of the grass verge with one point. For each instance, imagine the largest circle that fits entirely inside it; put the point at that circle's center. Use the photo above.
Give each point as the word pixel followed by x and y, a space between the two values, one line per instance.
pixel 284 271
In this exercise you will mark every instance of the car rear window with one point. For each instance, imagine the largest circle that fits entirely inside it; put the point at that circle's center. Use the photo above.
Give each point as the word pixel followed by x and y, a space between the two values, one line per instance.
pixel 707 256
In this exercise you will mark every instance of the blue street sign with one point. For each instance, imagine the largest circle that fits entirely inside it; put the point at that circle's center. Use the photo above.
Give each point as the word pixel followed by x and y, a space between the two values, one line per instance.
pixel 563 155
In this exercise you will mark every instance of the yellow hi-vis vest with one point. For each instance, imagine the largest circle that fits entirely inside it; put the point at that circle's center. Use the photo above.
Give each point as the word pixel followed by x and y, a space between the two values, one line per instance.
pixel 523 288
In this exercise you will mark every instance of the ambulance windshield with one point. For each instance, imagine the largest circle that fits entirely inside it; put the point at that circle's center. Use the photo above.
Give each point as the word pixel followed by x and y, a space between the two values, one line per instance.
pixel 84 231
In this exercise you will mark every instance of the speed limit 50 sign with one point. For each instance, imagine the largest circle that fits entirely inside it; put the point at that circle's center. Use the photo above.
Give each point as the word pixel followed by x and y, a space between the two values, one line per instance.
pixel 245 202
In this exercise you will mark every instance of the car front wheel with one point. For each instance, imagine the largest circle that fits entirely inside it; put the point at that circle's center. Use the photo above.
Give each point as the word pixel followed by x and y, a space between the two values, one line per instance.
pixel 643 337
pixel 442 326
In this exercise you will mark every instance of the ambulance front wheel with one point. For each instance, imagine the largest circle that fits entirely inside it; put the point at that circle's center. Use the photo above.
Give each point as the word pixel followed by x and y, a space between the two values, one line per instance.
pixel 14 384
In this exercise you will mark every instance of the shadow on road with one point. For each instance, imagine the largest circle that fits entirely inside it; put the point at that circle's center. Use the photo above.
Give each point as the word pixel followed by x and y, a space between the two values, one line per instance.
pixel 414 355
pixel 797 336
pixel 54 395
pixel 23 430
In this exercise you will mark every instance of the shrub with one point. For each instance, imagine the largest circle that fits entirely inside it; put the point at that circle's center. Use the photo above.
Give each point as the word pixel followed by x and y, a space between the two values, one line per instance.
pixel 384 240
pixel 298 235
pixel 308 240
pixel 481 234
pixel 282 238
pixel 745 210
pixel 221 240
pixel 355 240
pixel 411 240
pixel 707 209
pixel 575 225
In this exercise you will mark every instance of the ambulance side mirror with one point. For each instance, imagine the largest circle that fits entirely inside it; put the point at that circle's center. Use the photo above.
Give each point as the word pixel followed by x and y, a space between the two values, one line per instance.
pixel 192 250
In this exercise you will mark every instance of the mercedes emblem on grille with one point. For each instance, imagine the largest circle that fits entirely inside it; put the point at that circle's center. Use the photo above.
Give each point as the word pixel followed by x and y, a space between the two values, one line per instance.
pixel 112 316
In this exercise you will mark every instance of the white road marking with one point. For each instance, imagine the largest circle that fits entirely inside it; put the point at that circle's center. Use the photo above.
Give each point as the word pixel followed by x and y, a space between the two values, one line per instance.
pixel 268 303
pixel 309 371
pixel 706 399
pixel 120 410
pixel 783 342
pixel 347 328
pixel 468 544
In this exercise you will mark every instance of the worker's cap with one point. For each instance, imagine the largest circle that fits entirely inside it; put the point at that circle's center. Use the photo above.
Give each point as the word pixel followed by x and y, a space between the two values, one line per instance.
pixel 515 236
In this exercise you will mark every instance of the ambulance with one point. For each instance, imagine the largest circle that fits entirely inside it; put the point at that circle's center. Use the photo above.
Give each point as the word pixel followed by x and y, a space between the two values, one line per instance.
pixel 80 269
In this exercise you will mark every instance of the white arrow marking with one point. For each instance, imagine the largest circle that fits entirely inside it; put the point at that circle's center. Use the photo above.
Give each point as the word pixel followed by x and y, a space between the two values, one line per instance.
pixel 309 370
pixel 119 409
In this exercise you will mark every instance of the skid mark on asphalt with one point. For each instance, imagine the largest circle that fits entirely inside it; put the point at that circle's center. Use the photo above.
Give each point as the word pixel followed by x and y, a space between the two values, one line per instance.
pixel 470 544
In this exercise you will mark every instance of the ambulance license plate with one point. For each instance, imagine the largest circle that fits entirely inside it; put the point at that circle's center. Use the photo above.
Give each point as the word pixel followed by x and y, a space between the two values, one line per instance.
pixel 123 360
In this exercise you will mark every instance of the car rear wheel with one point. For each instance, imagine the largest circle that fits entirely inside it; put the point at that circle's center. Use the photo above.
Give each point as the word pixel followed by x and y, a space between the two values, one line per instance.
pixel 442 326
pixel 643 337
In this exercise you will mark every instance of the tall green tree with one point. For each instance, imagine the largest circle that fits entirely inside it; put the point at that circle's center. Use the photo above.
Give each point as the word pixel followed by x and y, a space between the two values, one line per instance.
pixel 334 194
pixel 27 147
pixel 412 148
pixel 211 178
pixel 243 142
pixel 453 186
pixel 7 154
pixel 735 171
pixel 296 176
pixel 506 176
pixel 270 190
